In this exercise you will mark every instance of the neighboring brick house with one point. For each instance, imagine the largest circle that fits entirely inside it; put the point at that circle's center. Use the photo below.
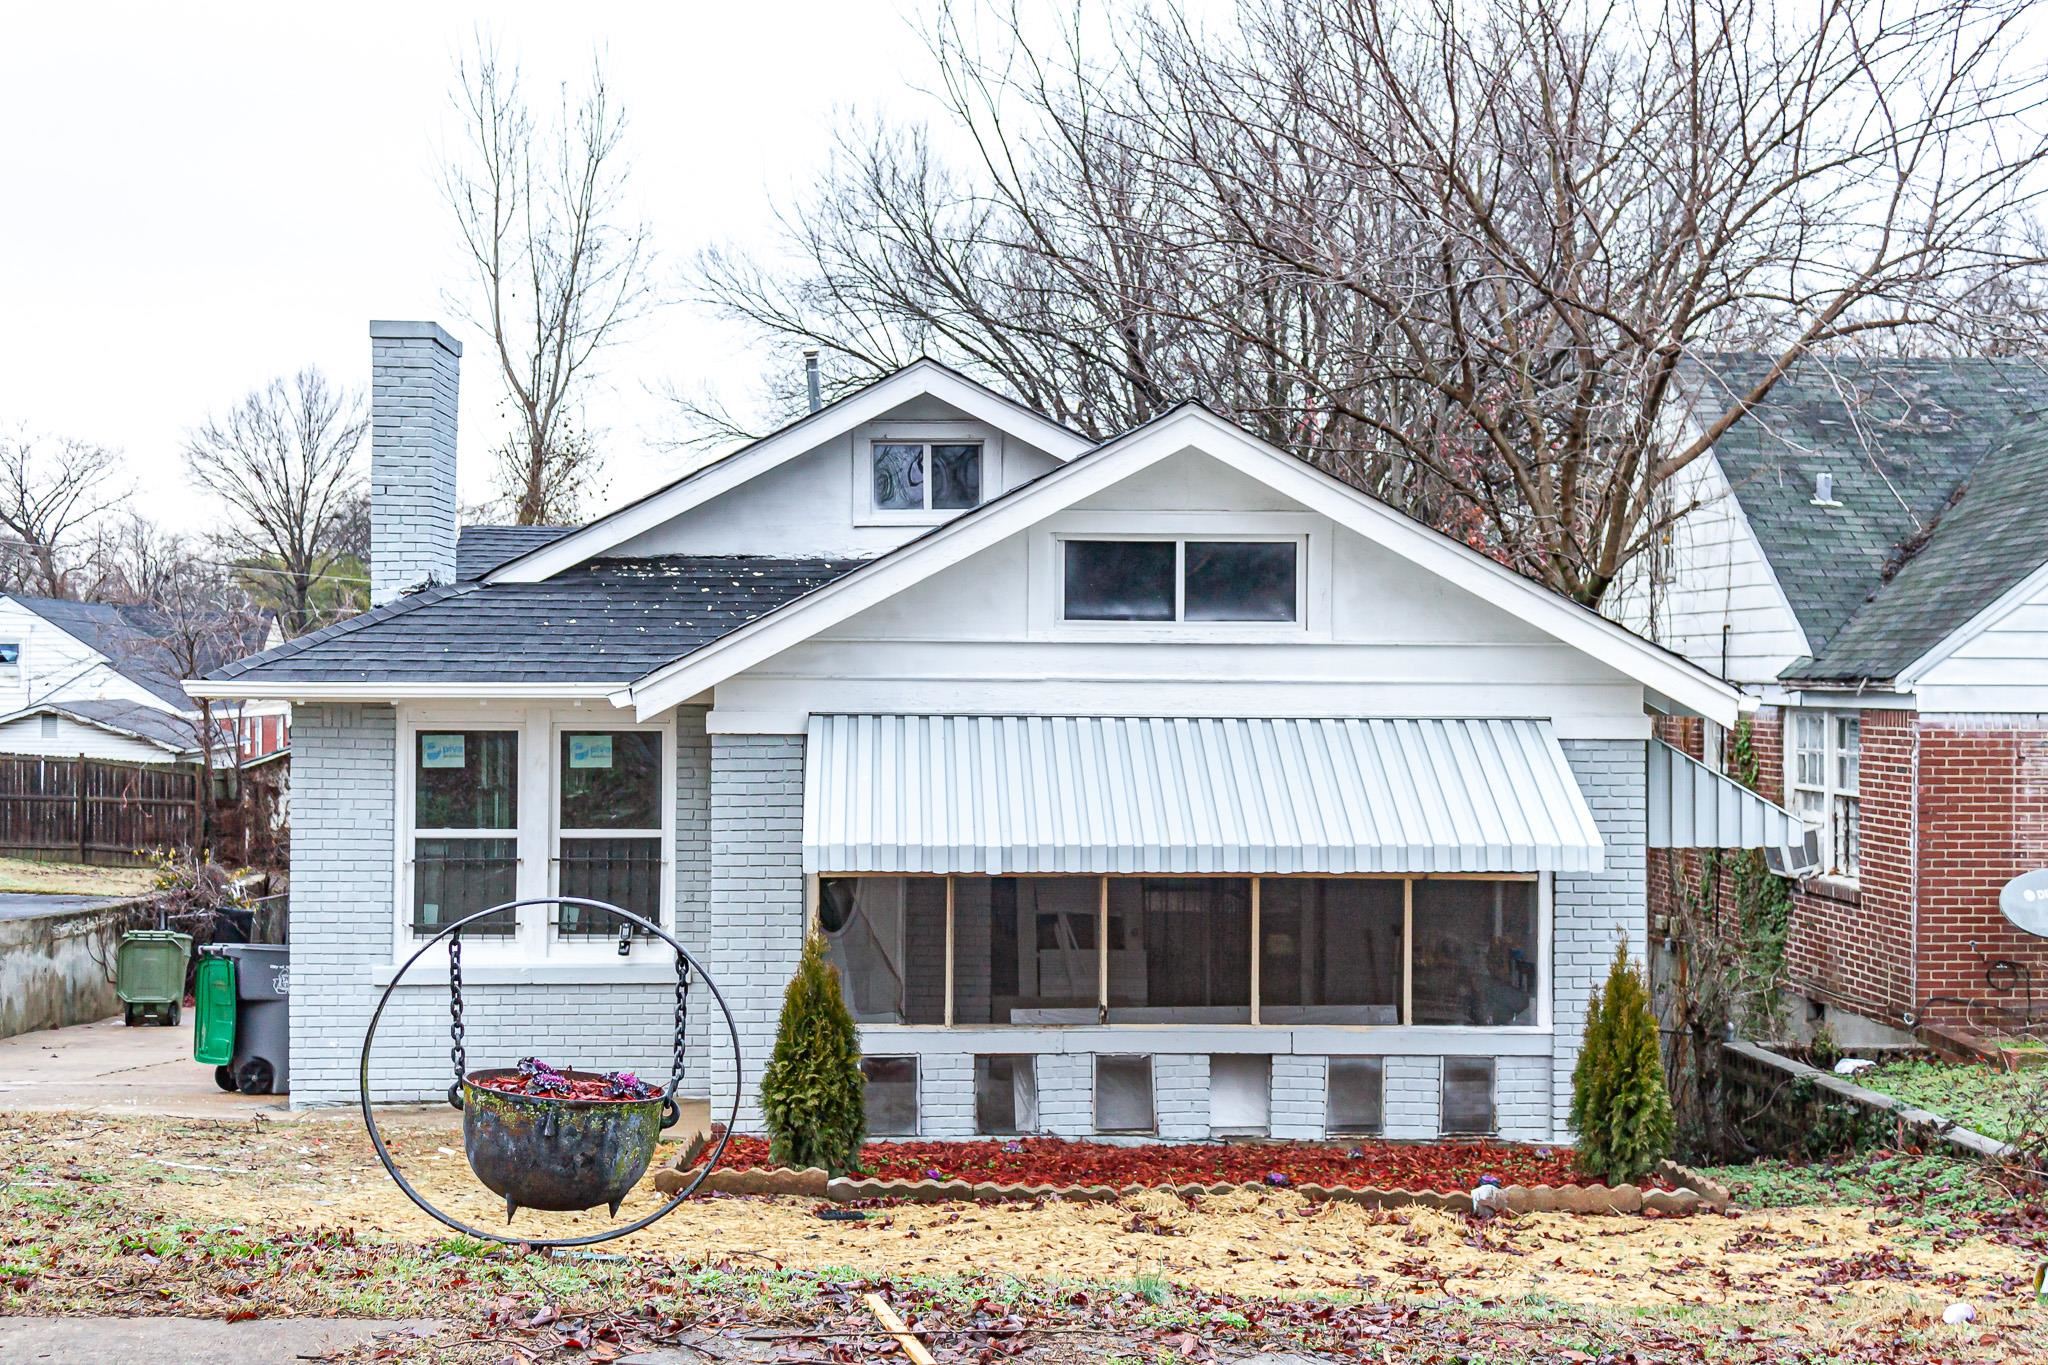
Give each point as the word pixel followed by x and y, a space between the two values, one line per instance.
pixel 1164 785
pixel 1867 556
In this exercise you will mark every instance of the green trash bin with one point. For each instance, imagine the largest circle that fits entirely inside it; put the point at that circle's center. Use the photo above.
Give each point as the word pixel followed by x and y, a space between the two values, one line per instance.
pixel 149 974
pixel 213 1019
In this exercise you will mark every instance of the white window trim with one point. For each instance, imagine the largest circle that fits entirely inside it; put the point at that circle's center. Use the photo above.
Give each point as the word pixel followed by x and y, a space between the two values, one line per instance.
pixel 539 728
pixel 1311 575
pixel 588 723
pixel 928 433
pixel 1828 789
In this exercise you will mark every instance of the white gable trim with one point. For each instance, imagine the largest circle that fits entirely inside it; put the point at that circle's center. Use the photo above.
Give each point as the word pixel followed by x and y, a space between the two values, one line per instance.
pixel 2004 605
pixel 1186 428
pixel 1763 556
pixel 923 378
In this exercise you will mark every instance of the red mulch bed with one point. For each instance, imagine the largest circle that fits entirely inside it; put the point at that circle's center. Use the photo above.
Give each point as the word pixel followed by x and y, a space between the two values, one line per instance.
pixel 1446 1166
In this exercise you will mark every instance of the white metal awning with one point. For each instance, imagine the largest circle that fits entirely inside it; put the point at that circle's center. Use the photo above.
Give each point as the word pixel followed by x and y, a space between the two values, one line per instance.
pixel 1080 794
pixel 1692 806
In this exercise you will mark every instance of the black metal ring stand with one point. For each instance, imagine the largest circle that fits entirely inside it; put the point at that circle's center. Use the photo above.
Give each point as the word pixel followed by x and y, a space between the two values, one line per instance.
pixel 684 960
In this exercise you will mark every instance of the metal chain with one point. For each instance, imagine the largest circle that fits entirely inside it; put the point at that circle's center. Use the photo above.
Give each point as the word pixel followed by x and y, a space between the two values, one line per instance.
pixel 675 1080
pixel 456 1052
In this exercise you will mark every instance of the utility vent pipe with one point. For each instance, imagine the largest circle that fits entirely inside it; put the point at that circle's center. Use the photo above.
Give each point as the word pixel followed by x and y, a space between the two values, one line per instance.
pixel 811 383
pixel 1824 490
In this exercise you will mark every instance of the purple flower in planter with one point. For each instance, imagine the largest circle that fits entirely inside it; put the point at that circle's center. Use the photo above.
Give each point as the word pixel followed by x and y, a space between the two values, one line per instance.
pixel 1489 1180
pixel 1545 1153
pixel 626 1086
pixel 1356 1153
pixel 934 1173
pixel 1277 1178
pixel 1013 1147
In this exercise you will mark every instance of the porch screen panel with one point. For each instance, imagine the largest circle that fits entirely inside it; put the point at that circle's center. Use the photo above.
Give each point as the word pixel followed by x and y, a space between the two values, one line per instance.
pixel 887 937
pixel 465 854
pixel 1477 954
pixel 1330 950
pixel 1180 950
pixel 610 827
pixel 1025 950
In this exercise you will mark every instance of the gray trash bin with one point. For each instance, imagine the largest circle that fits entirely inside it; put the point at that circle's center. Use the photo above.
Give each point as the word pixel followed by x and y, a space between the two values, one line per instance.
pixel 261 1064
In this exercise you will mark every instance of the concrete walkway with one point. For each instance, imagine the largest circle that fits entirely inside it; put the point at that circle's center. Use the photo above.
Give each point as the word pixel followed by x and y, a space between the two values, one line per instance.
pixel 109 1068
pixel 188 1341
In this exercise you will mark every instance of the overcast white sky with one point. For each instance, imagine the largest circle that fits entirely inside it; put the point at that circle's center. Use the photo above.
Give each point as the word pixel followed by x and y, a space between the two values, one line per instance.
pixel 202 197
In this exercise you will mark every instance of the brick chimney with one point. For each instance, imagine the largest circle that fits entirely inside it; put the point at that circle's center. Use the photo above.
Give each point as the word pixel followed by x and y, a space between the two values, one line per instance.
pixel 413 378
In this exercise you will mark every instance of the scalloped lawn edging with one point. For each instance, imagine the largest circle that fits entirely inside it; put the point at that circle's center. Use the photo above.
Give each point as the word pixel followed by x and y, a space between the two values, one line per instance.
pixel 1679 1191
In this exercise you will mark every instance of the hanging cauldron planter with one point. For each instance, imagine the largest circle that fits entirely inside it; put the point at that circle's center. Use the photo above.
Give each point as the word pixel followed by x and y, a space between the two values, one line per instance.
pixel 557 1140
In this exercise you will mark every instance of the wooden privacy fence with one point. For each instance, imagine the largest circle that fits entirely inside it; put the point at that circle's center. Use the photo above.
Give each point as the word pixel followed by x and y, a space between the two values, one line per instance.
pixel 94 810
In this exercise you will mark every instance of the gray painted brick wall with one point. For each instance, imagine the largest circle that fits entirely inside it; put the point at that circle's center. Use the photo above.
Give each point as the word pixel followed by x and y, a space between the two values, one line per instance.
pixel 1066 1093
pixel 1593 913
pixel 1180 1096
pixel 414 379
pixel 1414 1096
pixel 1300 1095
pixel 757 890
pixel 343 922
pixel 1521 1098
pixel 945 1087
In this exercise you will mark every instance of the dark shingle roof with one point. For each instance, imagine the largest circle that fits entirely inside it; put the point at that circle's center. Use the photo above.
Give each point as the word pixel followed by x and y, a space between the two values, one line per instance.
pixel 1994 536
pixel 121 633
pixel 608 621
pixel 1898 436
pixel 480 549
pixel 129 718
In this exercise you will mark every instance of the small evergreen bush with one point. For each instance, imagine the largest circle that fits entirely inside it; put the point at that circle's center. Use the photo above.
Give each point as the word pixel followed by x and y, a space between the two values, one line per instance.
pixel 1619 1104
pixel 813 1096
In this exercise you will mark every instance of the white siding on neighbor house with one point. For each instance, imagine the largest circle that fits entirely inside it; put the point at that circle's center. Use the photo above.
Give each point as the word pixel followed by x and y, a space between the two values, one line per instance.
pixel 811 506
pixel 56 666
pixel 2000 665
pixel 1714 575
pixel 1381 637
pixel 25 736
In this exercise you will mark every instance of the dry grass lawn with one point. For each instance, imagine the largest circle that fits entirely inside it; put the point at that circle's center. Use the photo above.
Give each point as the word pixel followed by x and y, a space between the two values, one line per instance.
pixel 73 879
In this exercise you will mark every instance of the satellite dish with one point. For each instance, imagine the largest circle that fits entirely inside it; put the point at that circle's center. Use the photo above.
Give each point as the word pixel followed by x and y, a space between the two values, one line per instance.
pixel 2024 901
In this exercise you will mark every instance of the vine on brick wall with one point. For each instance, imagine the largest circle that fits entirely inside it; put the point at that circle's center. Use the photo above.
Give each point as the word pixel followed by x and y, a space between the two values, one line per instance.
pixel 1729 975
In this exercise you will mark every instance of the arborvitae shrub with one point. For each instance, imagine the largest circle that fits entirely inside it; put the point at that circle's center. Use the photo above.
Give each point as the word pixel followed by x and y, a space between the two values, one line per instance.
pixel 813 1096
pixel 1620 1106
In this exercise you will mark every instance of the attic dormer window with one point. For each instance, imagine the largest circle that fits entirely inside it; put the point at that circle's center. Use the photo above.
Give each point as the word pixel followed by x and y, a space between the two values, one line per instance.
pixel 10 660
pixel 926 476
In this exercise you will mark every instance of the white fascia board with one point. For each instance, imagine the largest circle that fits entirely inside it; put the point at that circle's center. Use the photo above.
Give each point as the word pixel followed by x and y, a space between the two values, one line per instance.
pixel 1197 429
pixel 921 379
pixel 2003 605
pixel 236 689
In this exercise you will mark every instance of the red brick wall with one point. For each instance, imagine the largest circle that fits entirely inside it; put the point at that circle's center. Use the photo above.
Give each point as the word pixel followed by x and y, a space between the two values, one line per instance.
pixel 1984 820
pixel 1852 947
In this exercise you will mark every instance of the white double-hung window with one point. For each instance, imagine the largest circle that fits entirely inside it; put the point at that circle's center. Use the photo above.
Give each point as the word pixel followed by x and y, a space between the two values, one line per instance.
pixel 536 801
pixel 1823 774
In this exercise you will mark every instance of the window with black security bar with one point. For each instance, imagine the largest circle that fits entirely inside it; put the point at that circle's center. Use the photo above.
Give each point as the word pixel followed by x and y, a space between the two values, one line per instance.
pixel 608 829
pixel 465 849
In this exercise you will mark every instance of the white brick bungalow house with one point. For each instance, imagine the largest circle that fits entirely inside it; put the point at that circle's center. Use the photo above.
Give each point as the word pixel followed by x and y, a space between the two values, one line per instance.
pixel 1162 786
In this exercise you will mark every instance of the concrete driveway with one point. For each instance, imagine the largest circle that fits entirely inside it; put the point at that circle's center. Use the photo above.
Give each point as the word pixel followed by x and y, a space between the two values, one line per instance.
pixel 109 1068
pixel 34 904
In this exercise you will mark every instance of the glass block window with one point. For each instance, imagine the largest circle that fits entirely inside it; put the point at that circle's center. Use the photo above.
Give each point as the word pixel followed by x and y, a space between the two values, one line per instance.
pixel 891 1095
pixel 1468 1095
pixel 1356 1102
pixel 1123 1095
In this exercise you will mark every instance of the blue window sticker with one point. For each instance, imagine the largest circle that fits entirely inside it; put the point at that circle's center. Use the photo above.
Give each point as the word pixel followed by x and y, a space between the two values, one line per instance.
pixel 590 751
pixel 441 751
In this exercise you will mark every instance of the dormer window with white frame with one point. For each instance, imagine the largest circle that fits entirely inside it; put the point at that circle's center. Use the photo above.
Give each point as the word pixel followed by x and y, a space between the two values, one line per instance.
pixel 10 661
pixel 923 472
